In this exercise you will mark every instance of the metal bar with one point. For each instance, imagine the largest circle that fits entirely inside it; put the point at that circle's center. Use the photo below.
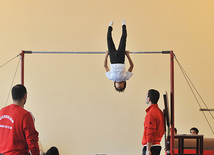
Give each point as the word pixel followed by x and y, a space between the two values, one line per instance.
pixel 22 67
pixel 206 109
pixel 52 52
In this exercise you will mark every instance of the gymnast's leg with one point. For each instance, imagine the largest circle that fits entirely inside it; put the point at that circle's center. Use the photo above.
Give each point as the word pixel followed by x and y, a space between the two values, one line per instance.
pixel 110 42
pixel 122 45
pixel 111 46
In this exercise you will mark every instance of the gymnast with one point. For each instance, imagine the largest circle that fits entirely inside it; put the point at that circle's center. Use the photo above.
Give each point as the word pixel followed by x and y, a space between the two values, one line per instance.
pixel 118 73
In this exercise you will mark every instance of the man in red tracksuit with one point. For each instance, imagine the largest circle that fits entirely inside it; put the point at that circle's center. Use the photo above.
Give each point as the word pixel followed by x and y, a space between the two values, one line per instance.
pixel 153 125
pixel 18 135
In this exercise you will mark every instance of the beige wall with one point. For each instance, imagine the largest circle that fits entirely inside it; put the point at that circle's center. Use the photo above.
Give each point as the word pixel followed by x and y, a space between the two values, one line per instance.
pixel 75 105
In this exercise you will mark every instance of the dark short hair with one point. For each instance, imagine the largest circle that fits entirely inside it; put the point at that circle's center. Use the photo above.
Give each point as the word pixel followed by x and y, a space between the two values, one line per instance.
pixel 52 151
pixel 153 95
pixel 18 92
pixel 120 90
pixel 195 129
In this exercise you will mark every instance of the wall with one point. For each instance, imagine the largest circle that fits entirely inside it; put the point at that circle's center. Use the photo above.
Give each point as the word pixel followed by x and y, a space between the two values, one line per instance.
pixel 75 105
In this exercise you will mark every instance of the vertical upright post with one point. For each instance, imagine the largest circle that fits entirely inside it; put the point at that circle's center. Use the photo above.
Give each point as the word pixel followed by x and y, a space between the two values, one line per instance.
pixel 22 67
pixel 172 101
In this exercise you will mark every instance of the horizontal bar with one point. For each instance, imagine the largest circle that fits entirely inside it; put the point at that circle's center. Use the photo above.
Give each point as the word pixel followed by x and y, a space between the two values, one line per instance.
pixel 46 52
pixel 206 109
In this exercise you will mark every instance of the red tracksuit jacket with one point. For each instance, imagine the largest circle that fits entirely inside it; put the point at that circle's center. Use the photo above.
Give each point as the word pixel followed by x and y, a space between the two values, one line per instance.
pixel 18 135
pixel 153 125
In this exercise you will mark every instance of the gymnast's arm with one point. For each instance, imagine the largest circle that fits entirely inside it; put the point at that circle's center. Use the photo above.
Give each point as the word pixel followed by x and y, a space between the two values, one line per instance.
pixel 106 62
pixel 130 61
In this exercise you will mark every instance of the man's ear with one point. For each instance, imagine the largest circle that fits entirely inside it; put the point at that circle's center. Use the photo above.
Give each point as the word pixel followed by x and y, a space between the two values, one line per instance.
pixel 25 97
pixel 149 99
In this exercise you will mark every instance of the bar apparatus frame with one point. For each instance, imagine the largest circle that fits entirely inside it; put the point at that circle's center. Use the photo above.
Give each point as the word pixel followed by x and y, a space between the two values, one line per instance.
pixel 22 55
